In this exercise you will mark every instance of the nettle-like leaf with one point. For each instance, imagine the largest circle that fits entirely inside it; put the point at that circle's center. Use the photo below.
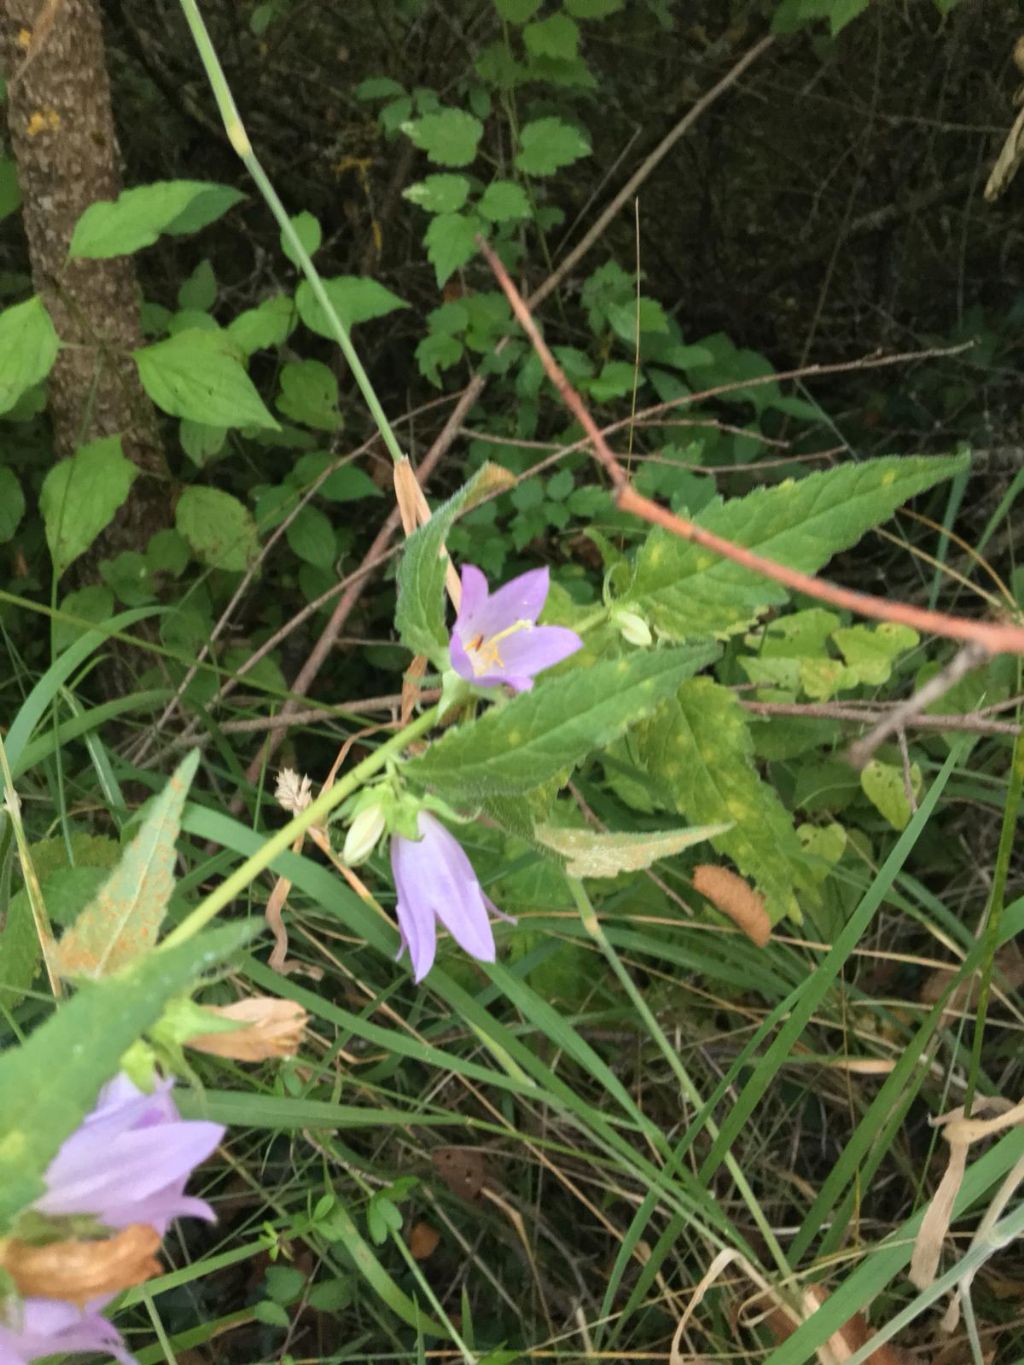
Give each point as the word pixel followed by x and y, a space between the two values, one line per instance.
pixel 137 217
pixel 439 193
pixel 354 298
pixel 219 529
pixel 517 11
pixel 688 591
pixel 698 751
pixel 420 616
pixel 123 922
pixel 268 324
pixel 548 144
pixel 503 201
pixel 449 138
pixel 557 36
pixel 197 374
pixel 80 496
pixel 511 749
pixel 451 241
pixel 28 348
pixel 590 853
pixel 593 9
pixel 50 1082
pixel 885 786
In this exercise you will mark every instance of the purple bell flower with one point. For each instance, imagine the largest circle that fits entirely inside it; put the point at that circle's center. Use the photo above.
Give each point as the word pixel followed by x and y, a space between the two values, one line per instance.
pixel 35 1328
pixel 496 638
pixel 129 1161
pixel 435 881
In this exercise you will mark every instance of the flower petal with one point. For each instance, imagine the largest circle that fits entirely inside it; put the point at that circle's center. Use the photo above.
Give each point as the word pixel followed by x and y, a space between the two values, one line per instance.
pixel 46 1327
pixel 521 599
pixel 456 896
pixel 528 652
pixel 459 660
pixel 474 595
pixel 414 909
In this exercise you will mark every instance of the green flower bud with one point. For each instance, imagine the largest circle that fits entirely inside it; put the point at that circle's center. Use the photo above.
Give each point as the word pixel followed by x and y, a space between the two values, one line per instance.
pixel 363 833
pixel 632 627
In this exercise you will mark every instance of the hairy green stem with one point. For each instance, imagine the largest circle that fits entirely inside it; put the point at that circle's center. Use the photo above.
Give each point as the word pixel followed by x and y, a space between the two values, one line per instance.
pixel 314 814
pixel 239 140
pixel 593 927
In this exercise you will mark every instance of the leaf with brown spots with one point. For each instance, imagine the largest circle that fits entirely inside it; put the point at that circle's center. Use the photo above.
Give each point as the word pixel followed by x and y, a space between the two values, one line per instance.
pixel 123 920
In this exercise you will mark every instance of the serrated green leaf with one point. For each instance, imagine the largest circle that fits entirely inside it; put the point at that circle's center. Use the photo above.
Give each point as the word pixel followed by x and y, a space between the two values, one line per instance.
pixel 451 241
pixel 196 374
pixel 28 348
pixel 12 503
pixel 378 88
pixel 592 9
pixel 123 922
pixel 688 591
pixel 219 529
pixel 449 137
pixel 309 394
pixel 348 484
pixel 420 616
pixel 699 752
pixel 556 36
pixel 354 298
pixel 439 193
pixel 80 496
pixel 511 749
pixel 20 954
pixel 78 1050
pixel 548 144
pixel 590 853
pixel 437 352
pixel 871 650
pixel 269 324
pixel 504 201
pixel 137 217
pixel 885 786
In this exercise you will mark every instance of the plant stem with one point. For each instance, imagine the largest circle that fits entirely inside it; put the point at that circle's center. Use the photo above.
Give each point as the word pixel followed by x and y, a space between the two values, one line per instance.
pixel 994 913
pixel 593 927
pixel 239 140
pixel 314 814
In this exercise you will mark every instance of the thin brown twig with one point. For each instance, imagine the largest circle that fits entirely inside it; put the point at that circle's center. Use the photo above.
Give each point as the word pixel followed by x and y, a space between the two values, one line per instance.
pixel 994 637
pixel 974 723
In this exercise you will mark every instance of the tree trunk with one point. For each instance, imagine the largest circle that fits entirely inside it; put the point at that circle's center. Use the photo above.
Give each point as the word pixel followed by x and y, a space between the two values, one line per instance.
pixel 62 133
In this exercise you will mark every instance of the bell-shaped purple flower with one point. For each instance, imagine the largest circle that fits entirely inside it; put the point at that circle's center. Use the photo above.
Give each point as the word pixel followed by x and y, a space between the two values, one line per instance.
pixel 496 638
pixel 33 1328
pixel 129 1161
pixel 435 881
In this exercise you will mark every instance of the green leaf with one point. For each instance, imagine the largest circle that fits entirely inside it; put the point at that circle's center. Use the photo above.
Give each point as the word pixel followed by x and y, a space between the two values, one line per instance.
pixel 271 1314
pixel 28 348
pixel 590 853
pixel 437 352
pixel 137 217
pixel 378 88
pixel 78 1050
pixel 20 954
pixel 511 749
pixel 348 484
pixel 307 229
pixel 439 193
pixel 80 496
pixel 311 537
pixel 196 374
pixel 451 241
pixel 557 36
pixel 12 503
pixel 517 11
pixel 269 324
pixel 592 9
pixel 218 527
pixel 699 752
pixel 843 12
pixel 548 144
pixel 354 298
pixel 504 201
pixel 309 394
pixel 449 138
pixel 885 786
pixel 200 441
pixel 688 591
pixel 123 922
pixel 869 651
pixel 10 190
pixel 420 616
pixel 200 289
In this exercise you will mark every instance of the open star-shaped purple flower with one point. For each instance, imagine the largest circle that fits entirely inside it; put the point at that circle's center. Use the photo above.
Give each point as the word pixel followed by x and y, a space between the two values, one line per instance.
pixel 435 881
pixel 129 1160
pixel 36 1328
pixel 496 638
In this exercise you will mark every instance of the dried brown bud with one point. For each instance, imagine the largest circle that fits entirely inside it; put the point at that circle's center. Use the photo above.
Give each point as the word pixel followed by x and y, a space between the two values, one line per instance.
pixel 82 1270
pixel 731 894
pixel 272 1028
